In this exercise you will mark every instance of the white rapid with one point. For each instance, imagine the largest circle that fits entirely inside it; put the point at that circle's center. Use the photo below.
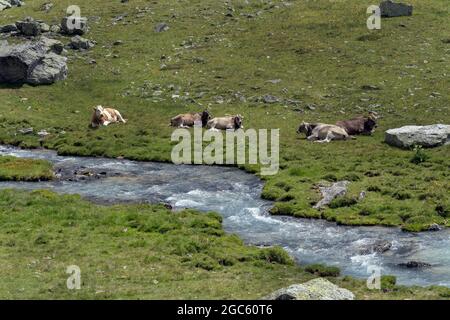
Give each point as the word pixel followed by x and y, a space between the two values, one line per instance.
pixel 236 196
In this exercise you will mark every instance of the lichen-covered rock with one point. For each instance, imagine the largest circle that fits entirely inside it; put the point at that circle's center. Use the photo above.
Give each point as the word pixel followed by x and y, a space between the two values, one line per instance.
pixel 29 27
pixel 32 62
pixel 390 9
pixel 329 193
pixel 426 136
pixel 316 289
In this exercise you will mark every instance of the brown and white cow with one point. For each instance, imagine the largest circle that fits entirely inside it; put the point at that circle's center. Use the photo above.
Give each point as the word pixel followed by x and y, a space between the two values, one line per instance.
pixel 359 125
pixel 322 132
pixel 226 123
pixel 105 116
pixel 187 120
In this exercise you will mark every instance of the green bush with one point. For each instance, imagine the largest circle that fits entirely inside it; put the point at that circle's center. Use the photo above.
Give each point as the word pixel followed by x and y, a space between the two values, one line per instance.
pixel 275 255
pixel 322 270
pixel 419 155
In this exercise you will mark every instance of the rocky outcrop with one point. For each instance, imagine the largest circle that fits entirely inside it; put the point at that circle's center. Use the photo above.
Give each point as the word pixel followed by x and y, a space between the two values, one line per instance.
pixel 426 136
pixel 380 246
pixel 316 289
pixel 329 193
pixel 35 63
pixel 391 9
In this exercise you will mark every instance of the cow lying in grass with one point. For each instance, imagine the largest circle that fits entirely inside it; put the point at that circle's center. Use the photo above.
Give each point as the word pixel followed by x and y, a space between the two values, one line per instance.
pixel 187 120
pixel 359 125
pixel 321 132
pixel 105 116
pixel 226 123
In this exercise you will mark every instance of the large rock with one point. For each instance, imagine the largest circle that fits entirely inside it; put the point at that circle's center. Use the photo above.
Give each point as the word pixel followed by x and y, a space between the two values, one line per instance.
pixel 32 62
pixel 391 9
pixel 426 136
pixel 316 289
pixel 74 25
pixel 4 4
pixel 29 27
pixel 329 193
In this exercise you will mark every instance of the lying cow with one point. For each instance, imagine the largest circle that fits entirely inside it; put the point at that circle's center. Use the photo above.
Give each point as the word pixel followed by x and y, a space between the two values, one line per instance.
pixel 226 123
pixel 359 125
pixel 322 132
pixel 105 116
pixel 187 120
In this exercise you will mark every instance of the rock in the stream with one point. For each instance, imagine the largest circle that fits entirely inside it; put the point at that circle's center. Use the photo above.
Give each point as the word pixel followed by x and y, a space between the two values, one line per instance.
pixel 79 43
pixel 377 247
pixel 329 193
pixel 414 265
pixel 316 289
pixel 426 136
pixel 74 25
pixel 391 9
pixel 32 62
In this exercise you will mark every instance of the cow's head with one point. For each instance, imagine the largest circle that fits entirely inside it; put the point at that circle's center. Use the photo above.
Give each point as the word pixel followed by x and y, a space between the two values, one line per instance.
pixel 237 121
pixel 98 111
pixel 206 116
pixel 305 128
pixel 370 124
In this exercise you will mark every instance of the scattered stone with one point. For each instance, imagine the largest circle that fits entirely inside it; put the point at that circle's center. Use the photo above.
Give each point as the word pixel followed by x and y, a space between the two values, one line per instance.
pixel 274 81
pixel 391 9
pixel 7 4
pixel 26 131
pixel 329 193
pixel 47 6
pixel 414 265
pixel 370 87
pixel 43 133
pixel 31 62
pixel 29 27
pixel 79 43
pixel 434 227
pixel 55 28
pixel 316 289
pixel 426 136
pixel 74 25
pixel 45 27
pixel 118 42
pixel 55 45
pixel 161 27
pixel 270 99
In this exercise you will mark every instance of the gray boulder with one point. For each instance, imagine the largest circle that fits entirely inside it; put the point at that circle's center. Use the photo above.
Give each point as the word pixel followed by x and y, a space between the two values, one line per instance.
pixel 29 27
pixel 4 4
pixel 35 63
pixel 426 136
pixel 74 25
pixel 391 9
pixel 316 289
pixel 161 27
pixel 79 43
pixel 8 28
pixel 330 192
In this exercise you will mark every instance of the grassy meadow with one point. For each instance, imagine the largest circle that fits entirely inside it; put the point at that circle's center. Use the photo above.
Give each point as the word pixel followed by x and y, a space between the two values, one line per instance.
pixel 321 62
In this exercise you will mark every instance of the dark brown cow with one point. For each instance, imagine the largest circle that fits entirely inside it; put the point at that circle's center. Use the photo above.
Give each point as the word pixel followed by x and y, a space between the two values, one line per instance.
pixel 359 125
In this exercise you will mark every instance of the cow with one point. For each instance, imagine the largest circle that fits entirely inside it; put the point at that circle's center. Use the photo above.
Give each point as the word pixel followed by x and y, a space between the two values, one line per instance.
pixel 226 123
pixel 105 116
pixel 187 120
pixel 322 132
pixel 359 125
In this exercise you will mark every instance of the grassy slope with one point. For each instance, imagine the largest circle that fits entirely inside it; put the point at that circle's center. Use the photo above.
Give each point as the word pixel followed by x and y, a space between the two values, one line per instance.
pixel 141 252
pixel 321 51
pixel 16 169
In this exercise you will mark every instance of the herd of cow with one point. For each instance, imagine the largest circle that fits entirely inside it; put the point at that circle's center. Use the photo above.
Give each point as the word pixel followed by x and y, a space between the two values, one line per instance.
pixel 318 132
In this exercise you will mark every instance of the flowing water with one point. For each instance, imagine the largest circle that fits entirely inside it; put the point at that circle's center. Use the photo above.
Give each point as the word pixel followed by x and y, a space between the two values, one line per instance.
pixel 236 196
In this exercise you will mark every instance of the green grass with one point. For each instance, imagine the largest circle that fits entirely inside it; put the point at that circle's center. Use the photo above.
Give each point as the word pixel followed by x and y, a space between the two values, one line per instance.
pixel 321 51
pixel 143 252
pixel 16 169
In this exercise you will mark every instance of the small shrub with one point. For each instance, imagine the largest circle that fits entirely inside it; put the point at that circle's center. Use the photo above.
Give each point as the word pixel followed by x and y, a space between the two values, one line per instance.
pixel 342 202
pixel 419 155
pixel 388 283
pixel 443 210
pixel 322 270
pixel 275 255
